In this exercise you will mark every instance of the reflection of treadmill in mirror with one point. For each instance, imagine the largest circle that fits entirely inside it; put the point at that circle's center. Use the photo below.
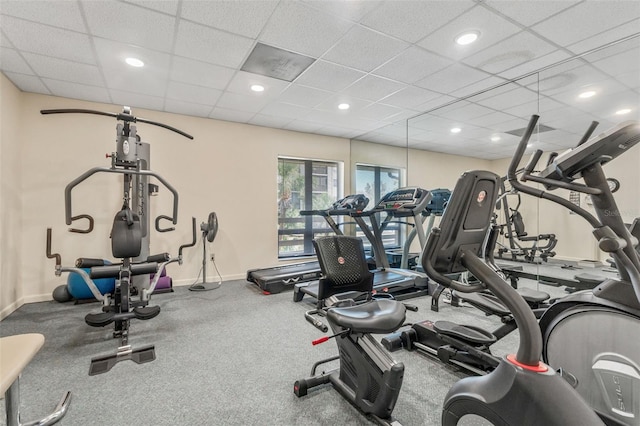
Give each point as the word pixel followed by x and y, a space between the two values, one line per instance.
pixel 278 278
pixel 401 283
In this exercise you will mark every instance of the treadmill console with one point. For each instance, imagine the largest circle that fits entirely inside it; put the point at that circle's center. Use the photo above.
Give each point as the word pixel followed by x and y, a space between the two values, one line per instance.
pixel 601 149
pixel 439 199
pixel 405 199
pixel 357 202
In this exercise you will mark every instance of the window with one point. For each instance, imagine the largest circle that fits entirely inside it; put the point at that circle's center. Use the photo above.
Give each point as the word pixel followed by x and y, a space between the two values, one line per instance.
pixel 304 185
pixel 375 182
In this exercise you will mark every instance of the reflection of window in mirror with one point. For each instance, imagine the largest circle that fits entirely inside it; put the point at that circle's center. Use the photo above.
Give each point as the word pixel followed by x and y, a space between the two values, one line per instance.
pixel 304 185
pixel 374 182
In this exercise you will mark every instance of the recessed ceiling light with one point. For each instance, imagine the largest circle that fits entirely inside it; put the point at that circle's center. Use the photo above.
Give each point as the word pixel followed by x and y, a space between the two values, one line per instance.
pixel 587 94
pixel 343 106
pixel 529 145
pixel 495 138
pixel 456 130
pixel 134 62
pixel 257 88
pixel 467 38
pixel 623 111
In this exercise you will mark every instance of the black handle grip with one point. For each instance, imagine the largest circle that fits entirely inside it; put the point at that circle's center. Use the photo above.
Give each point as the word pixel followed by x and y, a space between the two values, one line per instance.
pixel 55 256
pixel 165 217
pixel 159 258
pixel 82 231
pixel 87 262
pixel 193 239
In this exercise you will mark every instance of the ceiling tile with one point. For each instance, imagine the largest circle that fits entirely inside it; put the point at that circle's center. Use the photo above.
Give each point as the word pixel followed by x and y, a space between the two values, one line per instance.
pixel 67 13
pixel 4 41
pixel 535 64
pixel 415 19
pixel 199 73
pixel 193 94
pixel 60 69
pixel 364 49
pixel 46 40
pixel 285 110
pixel 304 96
pixel 187 108
pixel 491 26
pixel 586 20
pixel 112 55
pixel 66 89
pixel 136 100
pixel 243 18
pixel 328 76
pixel 11 61
pixel 616 33
pixel 379 111
pixel 412 64
pixel 231 115
pixel 434 103
pixel 296 27
pixel 166 6
pixel 452 78
pixel 209 45
pixel 269 121
pixel 135 25
pixel 410 97
pixel 348 10
pixel 516 50
pixel 303 126
pixel 622 63
pixel 528 13
pixel 239 102
pixel 331 104
pixel 373 88
pixel 144 82
pixel 27 83
pixel 242 82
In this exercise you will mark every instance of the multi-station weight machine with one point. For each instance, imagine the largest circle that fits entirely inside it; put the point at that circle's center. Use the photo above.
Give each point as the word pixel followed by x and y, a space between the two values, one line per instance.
pixel 129 240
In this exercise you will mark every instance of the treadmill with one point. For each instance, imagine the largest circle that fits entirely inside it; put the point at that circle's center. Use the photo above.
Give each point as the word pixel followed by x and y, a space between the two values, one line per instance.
pixel 399 283
pixel 279 278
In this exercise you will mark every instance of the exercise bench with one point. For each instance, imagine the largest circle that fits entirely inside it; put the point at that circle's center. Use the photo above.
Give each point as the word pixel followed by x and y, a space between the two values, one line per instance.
pixel 15 354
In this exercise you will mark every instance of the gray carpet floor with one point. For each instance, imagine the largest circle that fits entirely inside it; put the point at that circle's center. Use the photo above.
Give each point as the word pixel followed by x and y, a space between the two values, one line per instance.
pixel 224 357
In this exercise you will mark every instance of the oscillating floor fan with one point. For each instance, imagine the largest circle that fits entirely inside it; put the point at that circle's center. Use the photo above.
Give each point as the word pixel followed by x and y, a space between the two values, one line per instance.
pixel 209 231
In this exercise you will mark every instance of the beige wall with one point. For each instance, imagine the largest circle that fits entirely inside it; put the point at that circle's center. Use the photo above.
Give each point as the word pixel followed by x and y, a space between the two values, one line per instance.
pixel 11 126
pixel 228 168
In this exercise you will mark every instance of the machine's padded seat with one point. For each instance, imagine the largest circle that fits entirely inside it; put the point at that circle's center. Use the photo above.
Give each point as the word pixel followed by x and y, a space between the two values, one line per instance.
pixel 15 354
pixel 377 316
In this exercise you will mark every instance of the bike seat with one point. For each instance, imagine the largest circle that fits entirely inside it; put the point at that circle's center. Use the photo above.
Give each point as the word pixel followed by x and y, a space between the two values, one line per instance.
pixel 377 316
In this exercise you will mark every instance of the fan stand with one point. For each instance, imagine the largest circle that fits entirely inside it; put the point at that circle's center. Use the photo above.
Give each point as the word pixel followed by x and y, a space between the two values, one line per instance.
pixel 209 231
pixel 204 285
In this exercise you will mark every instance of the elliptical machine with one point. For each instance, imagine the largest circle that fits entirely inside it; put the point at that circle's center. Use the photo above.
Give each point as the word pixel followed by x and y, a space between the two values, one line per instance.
pixel 129 242
pixel 593 334
pixel 521 390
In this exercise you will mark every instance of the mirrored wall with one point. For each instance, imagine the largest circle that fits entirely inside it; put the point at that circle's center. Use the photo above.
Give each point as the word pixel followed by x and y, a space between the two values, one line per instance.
pixel 483 130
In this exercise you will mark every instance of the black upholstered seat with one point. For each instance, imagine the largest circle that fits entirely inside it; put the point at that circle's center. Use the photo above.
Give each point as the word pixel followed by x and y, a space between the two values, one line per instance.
pixel 376 316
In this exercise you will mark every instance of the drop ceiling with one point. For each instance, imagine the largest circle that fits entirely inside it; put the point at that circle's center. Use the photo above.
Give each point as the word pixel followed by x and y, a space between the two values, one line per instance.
pixel 389 60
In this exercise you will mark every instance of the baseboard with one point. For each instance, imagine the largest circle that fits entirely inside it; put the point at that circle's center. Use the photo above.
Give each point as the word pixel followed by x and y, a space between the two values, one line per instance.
pixel 190 281
pixel 11 308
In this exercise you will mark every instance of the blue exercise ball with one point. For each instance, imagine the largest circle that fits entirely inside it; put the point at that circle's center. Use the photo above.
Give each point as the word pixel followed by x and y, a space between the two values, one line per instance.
pixel 79 290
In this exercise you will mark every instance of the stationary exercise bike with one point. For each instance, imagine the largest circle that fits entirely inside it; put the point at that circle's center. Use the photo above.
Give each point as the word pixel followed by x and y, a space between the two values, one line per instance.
pixel 521 390
pixel 129 242
pixel 368 377
pixel 593 334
